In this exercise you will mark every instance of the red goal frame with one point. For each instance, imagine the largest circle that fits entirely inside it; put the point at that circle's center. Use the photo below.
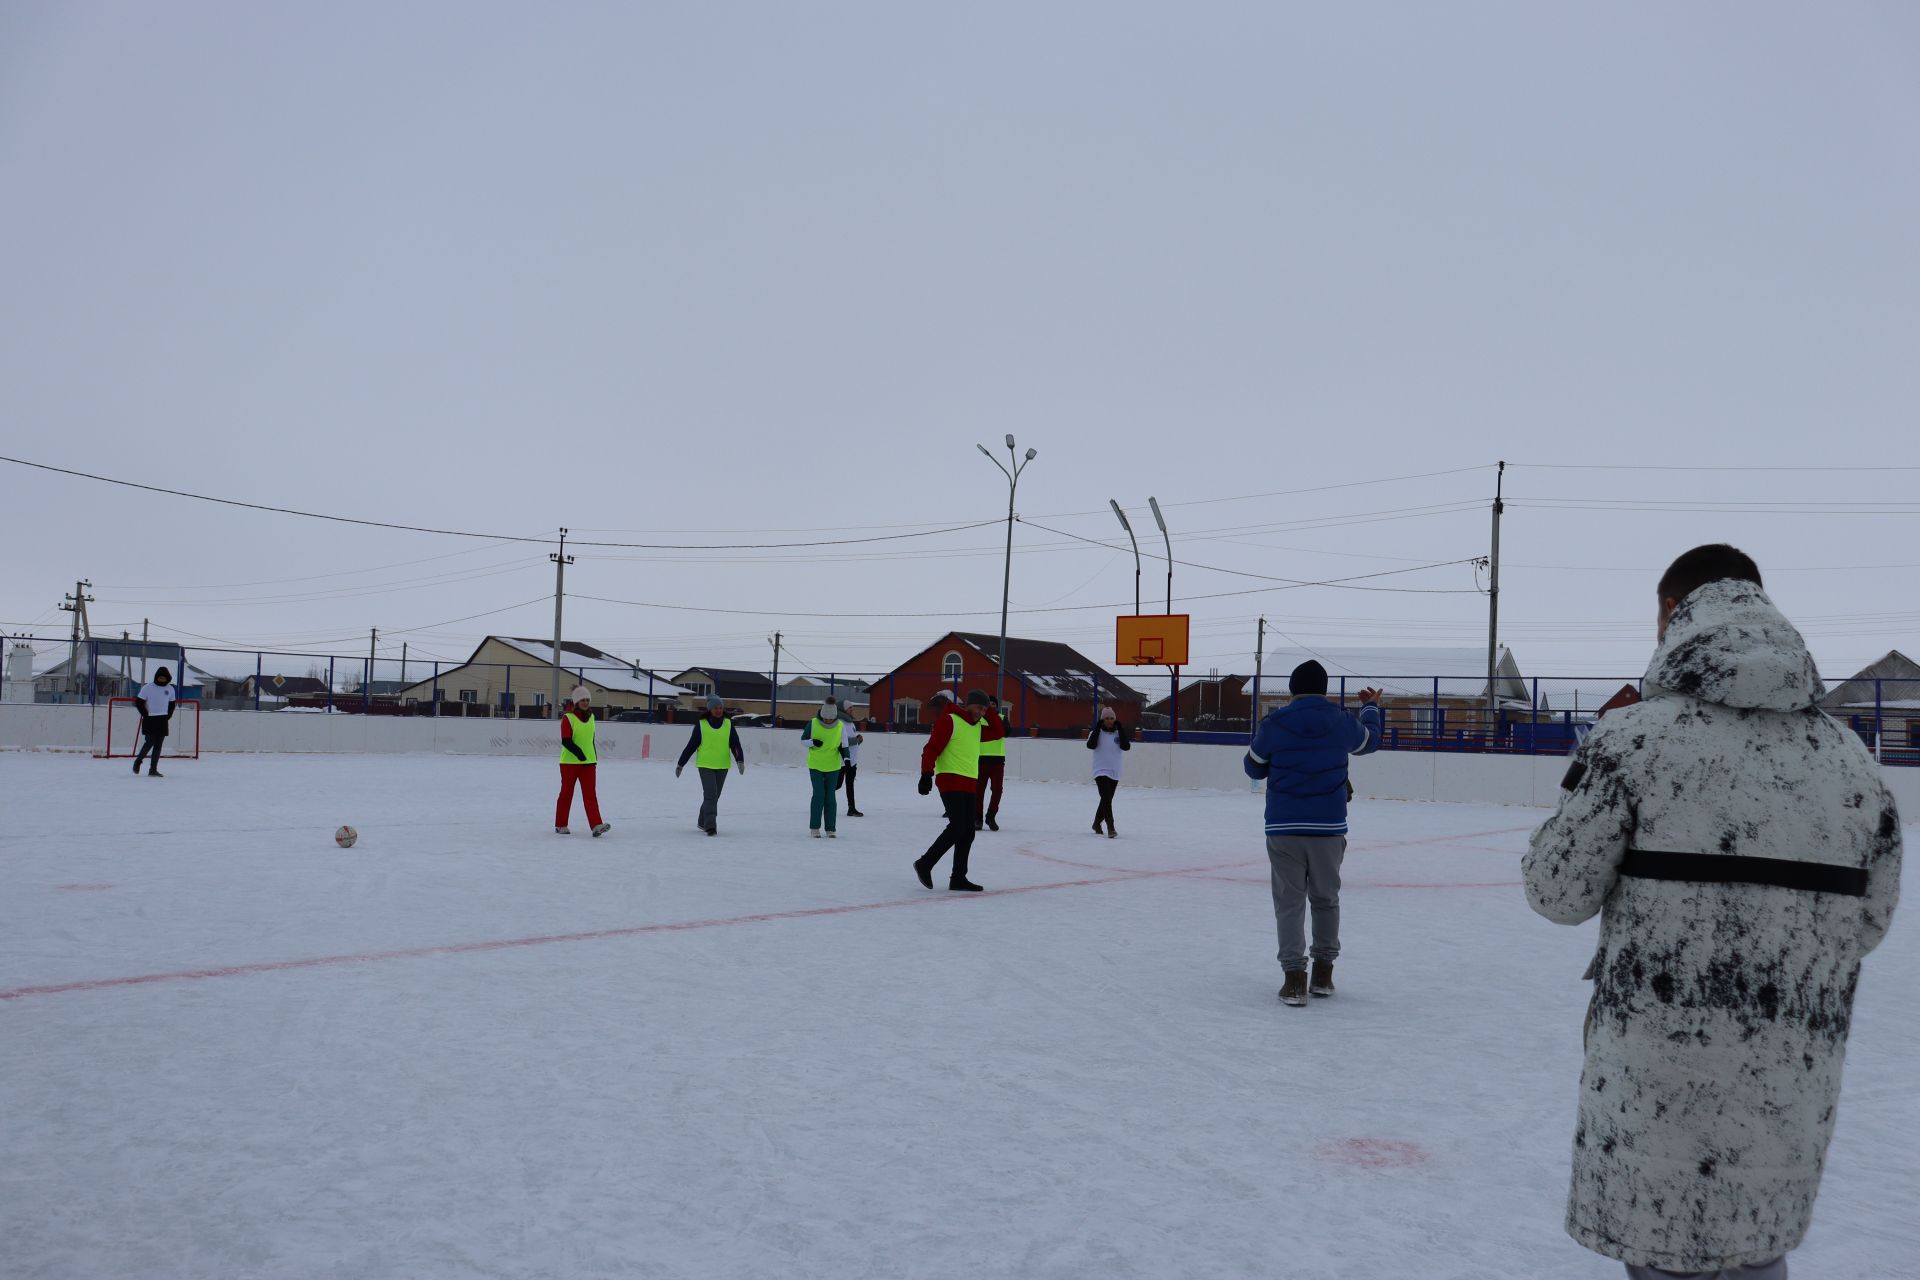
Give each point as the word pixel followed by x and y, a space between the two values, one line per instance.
pixel 126 744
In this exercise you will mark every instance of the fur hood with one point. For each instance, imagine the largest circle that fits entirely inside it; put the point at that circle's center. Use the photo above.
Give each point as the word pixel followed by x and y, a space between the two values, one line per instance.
pixel 1727 644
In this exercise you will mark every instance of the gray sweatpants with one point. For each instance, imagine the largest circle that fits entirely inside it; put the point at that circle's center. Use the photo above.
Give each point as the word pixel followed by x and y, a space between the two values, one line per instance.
pixel 711 781
pixel 1775 1270
pixel 1306 870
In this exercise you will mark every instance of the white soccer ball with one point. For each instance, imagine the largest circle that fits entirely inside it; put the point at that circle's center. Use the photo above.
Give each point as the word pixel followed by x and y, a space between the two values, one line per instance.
pixel 345 837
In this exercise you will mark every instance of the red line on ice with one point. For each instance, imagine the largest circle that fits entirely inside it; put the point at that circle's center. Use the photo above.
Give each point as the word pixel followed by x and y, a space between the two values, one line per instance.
pixel 503 944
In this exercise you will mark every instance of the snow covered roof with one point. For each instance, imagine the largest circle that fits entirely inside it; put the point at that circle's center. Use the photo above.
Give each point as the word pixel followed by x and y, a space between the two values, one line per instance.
pixel 1895 676
pixel 1462 672
pixel 597 666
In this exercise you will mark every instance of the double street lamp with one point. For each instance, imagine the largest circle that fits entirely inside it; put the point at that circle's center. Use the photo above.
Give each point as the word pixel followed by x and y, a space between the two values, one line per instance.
pixel 1011 470
pixel 1154 503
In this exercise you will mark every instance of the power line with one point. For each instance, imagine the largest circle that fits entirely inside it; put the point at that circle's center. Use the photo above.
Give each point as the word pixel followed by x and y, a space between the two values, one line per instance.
pixel 1643 466
pixel 470 533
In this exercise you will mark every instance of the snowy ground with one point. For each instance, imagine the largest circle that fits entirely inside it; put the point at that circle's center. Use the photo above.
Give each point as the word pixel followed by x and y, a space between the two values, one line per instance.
pixel 228 1048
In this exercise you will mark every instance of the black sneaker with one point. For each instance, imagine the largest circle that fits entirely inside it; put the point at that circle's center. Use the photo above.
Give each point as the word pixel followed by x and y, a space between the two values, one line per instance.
pixel 991 824
pixel 855 813
pixel 1294 992
pixel 1321 983
pixel 962 886
pixel 155 773
pixel 923 869
pixel 713 831
pixel 978 825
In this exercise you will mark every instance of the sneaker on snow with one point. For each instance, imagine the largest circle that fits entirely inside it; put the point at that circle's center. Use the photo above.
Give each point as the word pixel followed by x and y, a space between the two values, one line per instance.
pixel 814 832
pixel 991 824
pixel 833 835
pixel 1321 983
pixel 712 831
pixel 155 773
pixel 923 869
pixel 855 813
pixel 978 825
pixel 1112 834
pixel 603 828
pixel 561 831
pixel 136 768
pixel 962 886
pixel 1294 992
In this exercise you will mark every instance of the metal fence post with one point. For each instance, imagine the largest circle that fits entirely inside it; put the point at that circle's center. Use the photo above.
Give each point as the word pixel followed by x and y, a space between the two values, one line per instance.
pixel 1878 727
pixel 330 662
pixel 653 716
pixel 1433 724
pixel 1533 746
pixel 506 698
pixel 259 664
pixel 436 690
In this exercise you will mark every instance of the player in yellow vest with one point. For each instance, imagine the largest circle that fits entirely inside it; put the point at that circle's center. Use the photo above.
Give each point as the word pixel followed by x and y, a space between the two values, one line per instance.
pixel 715 743
pixel 578 763
pixel 993 766
pixel 826 752
pixel 951 759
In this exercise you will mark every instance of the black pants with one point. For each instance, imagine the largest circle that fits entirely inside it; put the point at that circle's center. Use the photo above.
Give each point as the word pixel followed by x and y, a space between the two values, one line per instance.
pixel 958 834
pixel 846 780
pixel 1104 813
pixel 153 731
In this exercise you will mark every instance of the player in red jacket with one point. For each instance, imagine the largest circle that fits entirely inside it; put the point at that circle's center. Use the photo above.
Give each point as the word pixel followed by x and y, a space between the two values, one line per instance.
pixel 951 760
pixel 993 766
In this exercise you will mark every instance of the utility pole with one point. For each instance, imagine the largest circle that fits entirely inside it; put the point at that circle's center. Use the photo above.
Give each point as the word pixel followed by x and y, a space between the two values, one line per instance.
pixel 1259 664
pixel 773 719
pixel 1493 609
pixel 560 562
pixel 366 689
pixel 144 624
pixel 403 662
pixel 1173 704
pixel 76 604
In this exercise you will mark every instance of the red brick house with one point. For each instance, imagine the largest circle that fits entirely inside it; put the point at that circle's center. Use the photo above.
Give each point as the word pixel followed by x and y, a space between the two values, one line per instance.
pixel 1051 688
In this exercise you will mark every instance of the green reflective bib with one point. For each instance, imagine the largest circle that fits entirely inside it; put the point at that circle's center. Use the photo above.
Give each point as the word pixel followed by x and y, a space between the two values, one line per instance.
pixel 715 745
pixel 826 756
pixel 997 747
pixel 582 738
pixel 962 754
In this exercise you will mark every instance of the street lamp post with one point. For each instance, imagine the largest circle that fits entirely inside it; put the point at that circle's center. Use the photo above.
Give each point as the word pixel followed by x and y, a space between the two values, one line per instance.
pixel 1012 473
pixel 1136 553
pixel 1173 704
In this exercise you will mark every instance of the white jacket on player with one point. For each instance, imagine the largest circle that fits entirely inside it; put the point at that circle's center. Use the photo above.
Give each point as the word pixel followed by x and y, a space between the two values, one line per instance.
pixel 1721 1001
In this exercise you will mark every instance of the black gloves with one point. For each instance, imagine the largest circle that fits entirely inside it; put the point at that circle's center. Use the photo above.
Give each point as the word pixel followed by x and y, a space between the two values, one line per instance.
pixel 571 746
pixel 926 784
pixel 816 742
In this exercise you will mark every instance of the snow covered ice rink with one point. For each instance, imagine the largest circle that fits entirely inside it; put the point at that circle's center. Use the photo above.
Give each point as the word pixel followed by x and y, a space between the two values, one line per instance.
pixel 469 1047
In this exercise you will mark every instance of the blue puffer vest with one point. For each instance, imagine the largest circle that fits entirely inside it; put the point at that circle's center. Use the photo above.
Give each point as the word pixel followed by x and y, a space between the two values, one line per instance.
pixel 1301 749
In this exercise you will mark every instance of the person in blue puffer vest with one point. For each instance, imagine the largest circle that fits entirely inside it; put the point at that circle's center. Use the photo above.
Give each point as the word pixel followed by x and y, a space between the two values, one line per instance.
pixel 1301 749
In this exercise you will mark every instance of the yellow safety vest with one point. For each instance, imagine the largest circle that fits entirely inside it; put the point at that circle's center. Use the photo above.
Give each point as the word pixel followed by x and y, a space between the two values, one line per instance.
pixel 826 756
pixel 715 744
pixel 996 747
pixel 962 754
pixel 582 738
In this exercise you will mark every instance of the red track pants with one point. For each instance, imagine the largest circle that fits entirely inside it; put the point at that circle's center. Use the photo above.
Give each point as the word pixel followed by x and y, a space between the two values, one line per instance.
pixel 583 775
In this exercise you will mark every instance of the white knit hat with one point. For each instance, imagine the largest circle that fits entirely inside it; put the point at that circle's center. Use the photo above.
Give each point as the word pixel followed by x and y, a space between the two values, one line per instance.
pixel 579 693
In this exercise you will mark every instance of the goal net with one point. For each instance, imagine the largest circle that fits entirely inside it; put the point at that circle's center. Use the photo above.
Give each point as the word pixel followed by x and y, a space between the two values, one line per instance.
pixel 123 730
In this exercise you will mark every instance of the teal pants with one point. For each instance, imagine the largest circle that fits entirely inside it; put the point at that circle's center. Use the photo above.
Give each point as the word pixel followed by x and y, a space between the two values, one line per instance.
pixel 825 783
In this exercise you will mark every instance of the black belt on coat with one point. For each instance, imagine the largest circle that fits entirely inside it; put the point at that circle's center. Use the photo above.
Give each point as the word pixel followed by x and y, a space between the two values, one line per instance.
pixel 1721 868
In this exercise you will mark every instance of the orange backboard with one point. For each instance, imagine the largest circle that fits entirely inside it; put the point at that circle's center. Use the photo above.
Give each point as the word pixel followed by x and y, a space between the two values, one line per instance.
pixel 1150 640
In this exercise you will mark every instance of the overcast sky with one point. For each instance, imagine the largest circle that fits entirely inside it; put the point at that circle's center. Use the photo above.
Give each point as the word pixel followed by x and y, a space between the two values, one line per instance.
pixel 716 273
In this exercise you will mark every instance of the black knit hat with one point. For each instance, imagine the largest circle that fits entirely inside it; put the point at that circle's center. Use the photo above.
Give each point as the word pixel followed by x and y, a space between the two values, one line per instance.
pixel 1309 677
pixel 977 699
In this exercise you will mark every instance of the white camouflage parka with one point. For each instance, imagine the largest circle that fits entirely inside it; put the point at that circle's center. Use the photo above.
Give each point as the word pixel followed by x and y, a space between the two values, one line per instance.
pixel 1718 1024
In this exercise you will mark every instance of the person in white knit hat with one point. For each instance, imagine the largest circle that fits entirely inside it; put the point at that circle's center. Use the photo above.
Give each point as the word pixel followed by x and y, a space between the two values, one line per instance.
pixel 578 763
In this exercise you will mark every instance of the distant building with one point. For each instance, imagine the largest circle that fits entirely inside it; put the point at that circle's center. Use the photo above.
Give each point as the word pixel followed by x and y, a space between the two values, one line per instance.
pixel 1050 687
pixel 750 693
pixel 513 676
pixel 1430 697
pixel 1881 703
pixel 1210 699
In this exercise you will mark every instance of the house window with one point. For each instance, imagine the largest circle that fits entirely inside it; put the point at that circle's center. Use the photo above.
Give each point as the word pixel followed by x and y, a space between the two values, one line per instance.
pixel 906 711
pixel 950 667
pixel 699 687
pixel 469 695
pixel 1426 719
pixel 539 699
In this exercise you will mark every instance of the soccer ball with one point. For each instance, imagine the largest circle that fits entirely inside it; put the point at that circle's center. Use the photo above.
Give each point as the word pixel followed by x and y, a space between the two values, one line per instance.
pixel 345 837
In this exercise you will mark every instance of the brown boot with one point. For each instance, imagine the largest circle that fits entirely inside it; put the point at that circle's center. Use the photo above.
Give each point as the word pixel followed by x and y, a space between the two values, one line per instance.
pixel 1321 984
pixel 1294 992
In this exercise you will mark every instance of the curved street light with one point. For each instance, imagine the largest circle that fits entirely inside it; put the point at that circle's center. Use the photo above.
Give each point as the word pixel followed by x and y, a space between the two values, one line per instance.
pixel 1011 470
